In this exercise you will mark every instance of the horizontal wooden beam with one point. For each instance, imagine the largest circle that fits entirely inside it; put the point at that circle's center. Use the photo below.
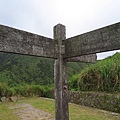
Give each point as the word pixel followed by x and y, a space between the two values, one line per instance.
pixel 92 58
pixel 18 41
pixel 100 40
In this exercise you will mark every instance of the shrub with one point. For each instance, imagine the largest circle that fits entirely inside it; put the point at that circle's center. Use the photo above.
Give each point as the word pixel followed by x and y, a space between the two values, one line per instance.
pixel 26 90
pixel 102 76
pixel 3 89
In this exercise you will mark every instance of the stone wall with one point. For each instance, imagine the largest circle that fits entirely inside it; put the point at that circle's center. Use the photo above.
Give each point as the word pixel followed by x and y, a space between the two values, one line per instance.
pixel 103 101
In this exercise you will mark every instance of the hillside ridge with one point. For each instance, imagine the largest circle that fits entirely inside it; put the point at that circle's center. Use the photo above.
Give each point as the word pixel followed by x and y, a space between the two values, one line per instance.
pixel 22 69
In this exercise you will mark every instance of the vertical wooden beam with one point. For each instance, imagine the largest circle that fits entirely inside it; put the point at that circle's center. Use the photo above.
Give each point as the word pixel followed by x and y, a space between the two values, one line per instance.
pixel 60 75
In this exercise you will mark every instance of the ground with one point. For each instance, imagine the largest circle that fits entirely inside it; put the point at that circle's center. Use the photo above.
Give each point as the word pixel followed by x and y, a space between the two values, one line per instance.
pixel 26 111
pixel 37 108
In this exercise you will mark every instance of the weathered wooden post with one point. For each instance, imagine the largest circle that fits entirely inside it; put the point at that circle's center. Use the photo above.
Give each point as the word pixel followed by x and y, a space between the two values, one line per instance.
pixel 77 48
pixel 60 75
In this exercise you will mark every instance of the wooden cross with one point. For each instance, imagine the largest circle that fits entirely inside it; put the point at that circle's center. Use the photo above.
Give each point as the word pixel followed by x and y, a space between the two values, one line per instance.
pixel 79 48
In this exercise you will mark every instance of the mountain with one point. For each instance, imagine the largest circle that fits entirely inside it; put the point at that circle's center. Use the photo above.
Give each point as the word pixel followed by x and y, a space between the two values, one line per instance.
pixel 21 69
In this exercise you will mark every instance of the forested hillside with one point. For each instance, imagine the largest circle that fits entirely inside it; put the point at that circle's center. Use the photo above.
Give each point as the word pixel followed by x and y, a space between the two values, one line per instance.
pixel 20 69
pixel 22 75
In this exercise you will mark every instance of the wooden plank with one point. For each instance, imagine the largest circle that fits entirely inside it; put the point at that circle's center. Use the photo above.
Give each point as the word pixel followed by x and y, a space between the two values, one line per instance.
pixel 92 58
pixel 100 40
pixel 18 41
pixel 60 76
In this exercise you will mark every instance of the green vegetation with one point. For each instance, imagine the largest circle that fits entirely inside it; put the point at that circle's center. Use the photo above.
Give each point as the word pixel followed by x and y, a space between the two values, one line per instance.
pixel 6 113
pixel 21 70
pixel 76 112
pixel 75 68
pixel 103 76
pixel 18 71
pixel 29 75
pixel 26 91
pixel 73 83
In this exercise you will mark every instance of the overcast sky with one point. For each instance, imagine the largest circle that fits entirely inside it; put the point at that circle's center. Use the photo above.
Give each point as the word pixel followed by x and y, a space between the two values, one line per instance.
pixel 40 16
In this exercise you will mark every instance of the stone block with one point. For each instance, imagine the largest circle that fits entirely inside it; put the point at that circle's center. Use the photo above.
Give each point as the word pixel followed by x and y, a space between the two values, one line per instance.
pixel 13 98
pixel 4 99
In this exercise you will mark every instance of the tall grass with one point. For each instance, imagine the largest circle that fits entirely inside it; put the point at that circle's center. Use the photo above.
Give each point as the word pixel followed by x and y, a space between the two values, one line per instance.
pixel 102 76
pixel 73 83
pixel 26 90
pixel 3 89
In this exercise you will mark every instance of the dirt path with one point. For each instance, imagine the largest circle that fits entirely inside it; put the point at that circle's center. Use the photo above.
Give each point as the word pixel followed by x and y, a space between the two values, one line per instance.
pixel 28 112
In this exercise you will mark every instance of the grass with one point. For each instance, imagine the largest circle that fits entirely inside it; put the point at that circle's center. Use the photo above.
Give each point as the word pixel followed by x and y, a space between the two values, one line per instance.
pixel 104 76
pixel 6 113
pixel 76 112
pixel 85 113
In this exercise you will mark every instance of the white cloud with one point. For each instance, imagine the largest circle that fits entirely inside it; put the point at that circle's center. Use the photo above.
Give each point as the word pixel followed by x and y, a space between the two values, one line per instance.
pixel 106 54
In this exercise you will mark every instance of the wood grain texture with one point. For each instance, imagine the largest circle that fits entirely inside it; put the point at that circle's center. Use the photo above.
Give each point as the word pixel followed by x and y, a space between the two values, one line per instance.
pixel 100 40
pixel 60 76
pixel 18 41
